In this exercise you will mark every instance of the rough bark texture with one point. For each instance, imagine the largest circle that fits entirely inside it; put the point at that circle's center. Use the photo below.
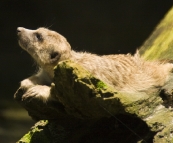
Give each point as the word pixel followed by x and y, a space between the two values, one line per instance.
pixel 160 44
pixel 86 110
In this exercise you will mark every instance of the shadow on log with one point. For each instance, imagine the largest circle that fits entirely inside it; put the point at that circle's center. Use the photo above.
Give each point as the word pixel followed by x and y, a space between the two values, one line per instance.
pixel 86 110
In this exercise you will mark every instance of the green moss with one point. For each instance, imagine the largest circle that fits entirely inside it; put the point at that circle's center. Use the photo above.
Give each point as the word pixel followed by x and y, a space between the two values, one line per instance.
pixel 159 45
pixel 38 133
pixel 101 85
pixel 26 138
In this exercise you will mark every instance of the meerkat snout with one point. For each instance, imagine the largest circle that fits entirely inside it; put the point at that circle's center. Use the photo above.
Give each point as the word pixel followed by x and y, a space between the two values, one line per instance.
pixel 19 29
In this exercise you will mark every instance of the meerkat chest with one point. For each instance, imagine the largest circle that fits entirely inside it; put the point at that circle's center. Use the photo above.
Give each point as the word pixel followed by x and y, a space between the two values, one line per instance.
pixel 48 71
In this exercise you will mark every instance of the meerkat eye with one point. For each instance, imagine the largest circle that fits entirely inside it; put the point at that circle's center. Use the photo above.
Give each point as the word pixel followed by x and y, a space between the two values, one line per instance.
pixel 38 36
pixel 54 56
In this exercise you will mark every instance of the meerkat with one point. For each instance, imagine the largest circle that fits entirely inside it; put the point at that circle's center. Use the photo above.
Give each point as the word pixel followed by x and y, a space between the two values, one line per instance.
pixel 123 72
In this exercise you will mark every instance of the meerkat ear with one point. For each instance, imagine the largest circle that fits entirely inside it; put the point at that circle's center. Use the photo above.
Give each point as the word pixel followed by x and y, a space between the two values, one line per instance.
pixel 54 57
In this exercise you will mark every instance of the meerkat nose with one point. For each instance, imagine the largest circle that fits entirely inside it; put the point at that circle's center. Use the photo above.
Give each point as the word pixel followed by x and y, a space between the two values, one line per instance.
pixel 19 29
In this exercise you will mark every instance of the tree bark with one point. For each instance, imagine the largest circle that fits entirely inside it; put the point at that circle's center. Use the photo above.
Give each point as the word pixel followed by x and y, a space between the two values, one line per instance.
pixel 160 44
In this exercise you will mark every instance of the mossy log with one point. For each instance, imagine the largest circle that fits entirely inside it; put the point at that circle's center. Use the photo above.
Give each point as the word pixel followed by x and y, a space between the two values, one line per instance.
pixel 160 44
pixel 87 110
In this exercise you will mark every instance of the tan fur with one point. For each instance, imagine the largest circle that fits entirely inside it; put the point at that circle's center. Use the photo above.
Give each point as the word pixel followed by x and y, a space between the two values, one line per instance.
pixel 123 72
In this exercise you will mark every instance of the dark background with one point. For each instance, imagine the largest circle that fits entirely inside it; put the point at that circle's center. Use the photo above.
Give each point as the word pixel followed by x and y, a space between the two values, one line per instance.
pixel 97 26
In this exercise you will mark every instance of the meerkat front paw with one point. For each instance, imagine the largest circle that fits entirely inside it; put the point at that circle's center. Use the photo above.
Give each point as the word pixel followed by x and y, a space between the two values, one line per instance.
pixel 41 92
pixel 26 84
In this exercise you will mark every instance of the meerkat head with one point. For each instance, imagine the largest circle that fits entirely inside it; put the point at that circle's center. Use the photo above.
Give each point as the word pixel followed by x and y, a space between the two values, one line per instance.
pixel 45 46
